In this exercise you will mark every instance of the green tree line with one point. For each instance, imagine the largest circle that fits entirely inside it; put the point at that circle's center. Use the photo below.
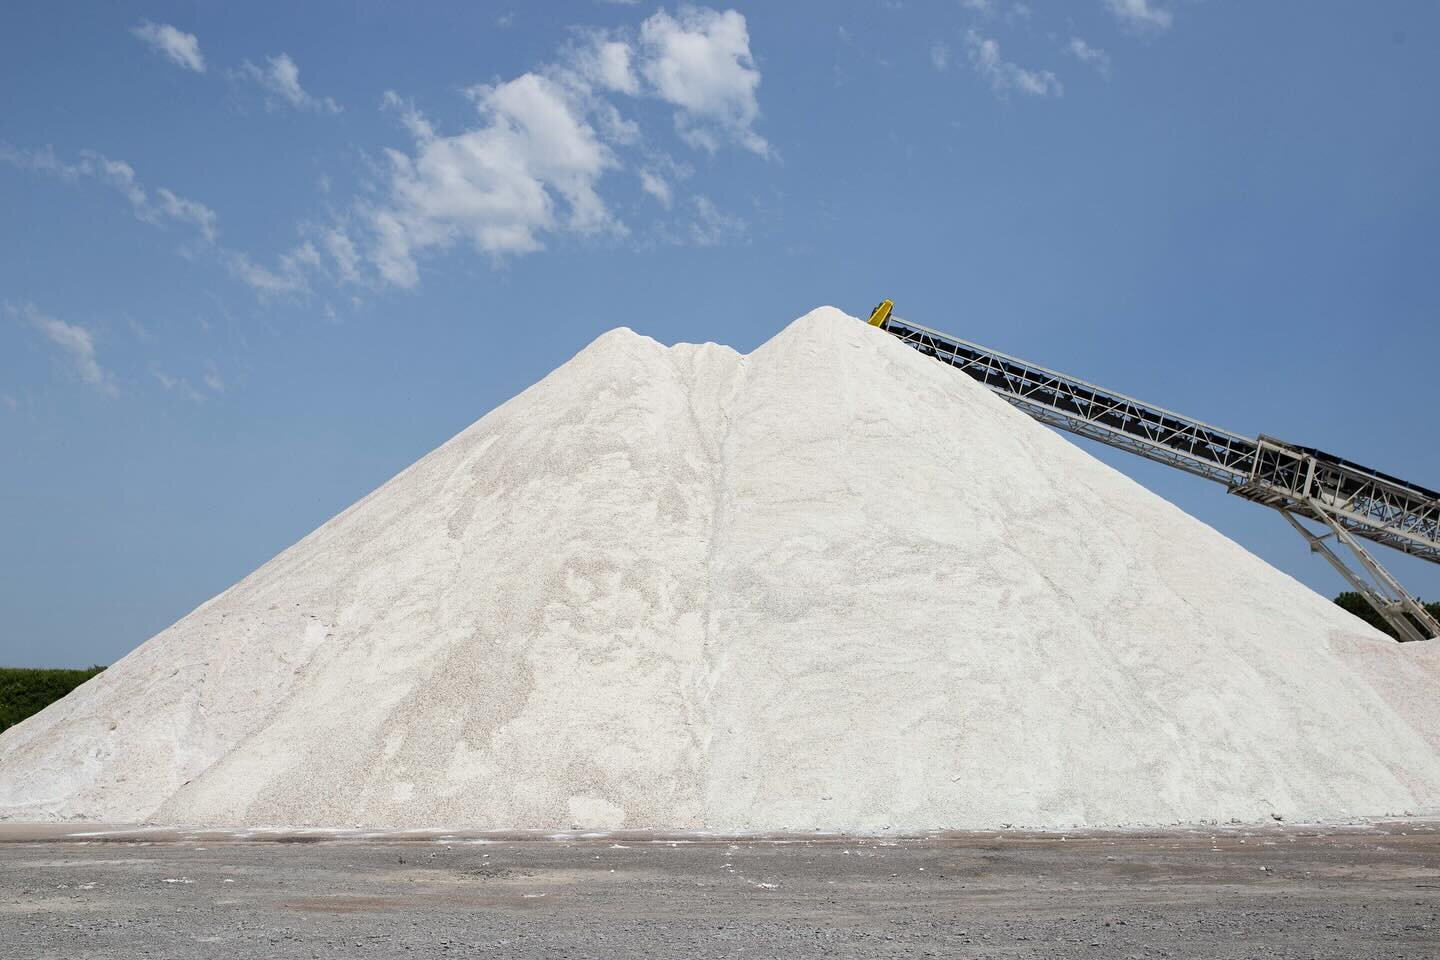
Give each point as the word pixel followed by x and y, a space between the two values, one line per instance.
pixel 1358 605
pixel 24 692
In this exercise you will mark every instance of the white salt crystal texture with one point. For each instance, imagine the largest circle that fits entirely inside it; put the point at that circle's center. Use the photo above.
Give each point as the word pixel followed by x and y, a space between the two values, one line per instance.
pixel 830 585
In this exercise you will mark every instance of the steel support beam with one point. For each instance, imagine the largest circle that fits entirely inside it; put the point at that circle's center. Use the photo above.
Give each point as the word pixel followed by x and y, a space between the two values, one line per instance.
pixel 1383 592
pixel 1350 499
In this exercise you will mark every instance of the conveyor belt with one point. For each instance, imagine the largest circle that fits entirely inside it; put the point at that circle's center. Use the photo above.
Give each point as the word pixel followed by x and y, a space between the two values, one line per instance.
pixel 1352 500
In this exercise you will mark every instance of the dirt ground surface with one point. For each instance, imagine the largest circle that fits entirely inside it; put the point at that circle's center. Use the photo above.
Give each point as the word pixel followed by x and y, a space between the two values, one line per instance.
pixel 1352 892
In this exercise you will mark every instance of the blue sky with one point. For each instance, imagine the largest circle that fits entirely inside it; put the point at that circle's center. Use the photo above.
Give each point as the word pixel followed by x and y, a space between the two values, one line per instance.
pixel 256 258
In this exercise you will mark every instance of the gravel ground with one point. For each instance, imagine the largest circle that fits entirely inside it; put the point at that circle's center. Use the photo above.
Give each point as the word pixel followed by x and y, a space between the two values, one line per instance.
pixel 1366 892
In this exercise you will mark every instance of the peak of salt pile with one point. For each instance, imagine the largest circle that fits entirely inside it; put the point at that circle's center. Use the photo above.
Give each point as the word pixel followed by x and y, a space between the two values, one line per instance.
pixel 832 584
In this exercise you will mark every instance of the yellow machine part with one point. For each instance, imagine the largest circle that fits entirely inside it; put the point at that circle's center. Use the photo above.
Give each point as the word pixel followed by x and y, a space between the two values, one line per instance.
pixel 881 313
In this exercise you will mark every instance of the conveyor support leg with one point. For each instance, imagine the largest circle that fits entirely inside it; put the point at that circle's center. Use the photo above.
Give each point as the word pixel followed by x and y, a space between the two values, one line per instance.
pixel 1383 592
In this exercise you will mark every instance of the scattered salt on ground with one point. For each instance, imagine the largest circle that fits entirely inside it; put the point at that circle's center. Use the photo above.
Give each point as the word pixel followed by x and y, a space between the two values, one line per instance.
pixel 829 585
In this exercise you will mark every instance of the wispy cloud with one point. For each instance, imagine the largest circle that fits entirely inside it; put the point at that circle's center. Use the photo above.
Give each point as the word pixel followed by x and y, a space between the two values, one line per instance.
pixel 280 78
pixel 177 46
pixel 940 55
pixel 291 274
pixel 343 254
pixel 164 206
pixel 1004 76
pixel 212 377
pixel 75 343
pixel 711 226
pixel 991 9
pixel 658 187
pixel 180 385
pixel 1094 56
pixel 192 212
pixel 1141 14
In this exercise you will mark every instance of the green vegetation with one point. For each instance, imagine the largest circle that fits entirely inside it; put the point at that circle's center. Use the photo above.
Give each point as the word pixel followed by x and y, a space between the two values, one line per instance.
pixel 1358 605
pixel 25 692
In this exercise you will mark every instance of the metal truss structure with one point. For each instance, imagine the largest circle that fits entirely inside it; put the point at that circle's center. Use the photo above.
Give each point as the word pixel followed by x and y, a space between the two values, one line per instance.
pixel 1347 499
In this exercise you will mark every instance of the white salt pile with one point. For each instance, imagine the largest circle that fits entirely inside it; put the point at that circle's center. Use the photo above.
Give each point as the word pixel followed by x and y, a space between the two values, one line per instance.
pixel 832 584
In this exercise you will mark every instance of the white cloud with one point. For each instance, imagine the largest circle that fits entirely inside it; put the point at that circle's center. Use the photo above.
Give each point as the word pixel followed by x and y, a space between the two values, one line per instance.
pixel 164 206
pixel 658 187
pixel 1140 14
pixel 698 61
pixel 991 9
pixel 1005 76
pixel 608 64
pixel 711 226
pixel 940 55
pixel 530 166
pixel 613 128
pixel 10 402
pixel 1094 56
pixel 181 48
pixel 180 384
pixel 342 251
pixel 701 63
pixel 212 377
pixel 290 275
pixel 499 186
pixel 75 342
pixel 281 80
pixel 188 211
